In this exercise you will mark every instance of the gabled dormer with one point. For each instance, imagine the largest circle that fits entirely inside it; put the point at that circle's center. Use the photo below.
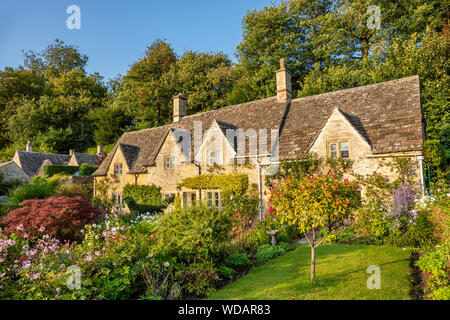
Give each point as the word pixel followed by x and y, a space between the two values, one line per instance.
pixel 218 145
pixel 341 137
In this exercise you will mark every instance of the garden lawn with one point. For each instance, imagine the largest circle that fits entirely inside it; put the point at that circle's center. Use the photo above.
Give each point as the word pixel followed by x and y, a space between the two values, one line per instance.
pixel 340 274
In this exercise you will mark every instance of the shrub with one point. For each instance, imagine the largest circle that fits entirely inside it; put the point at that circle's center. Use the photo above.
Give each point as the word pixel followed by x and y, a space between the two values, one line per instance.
pixel 39 188
pixel 74 190
pixel 195 234
pixel 144 208
pixel 225 273
pixel 87 170
pixel 267 251
pixel 63 217
pixel 435 155
pixel 238 260
pixel 198 278
pixel 50 170
pixel 143 194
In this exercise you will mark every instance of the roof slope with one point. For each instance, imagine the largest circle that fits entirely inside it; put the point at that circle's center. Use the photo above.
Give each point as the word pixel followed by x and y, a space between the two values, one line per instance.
pixel 388 115
pixel 91 159
pixel 31 162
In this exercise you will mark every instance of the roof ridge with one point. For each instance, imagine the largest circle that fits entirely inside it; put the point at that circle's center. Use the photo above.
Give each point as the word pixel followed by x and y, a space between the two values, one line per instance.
pixel 355 88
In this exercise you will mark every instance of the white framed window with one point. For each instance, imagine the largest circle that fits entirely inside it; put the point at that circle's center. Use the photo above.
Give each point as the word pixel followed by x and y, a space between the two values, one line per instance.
pixel 214 199
pixel 215 157
pixel 339 149
pixel 333 150
pixel 343 149
pixel 117 168
pixel 172 164
pixel 167 162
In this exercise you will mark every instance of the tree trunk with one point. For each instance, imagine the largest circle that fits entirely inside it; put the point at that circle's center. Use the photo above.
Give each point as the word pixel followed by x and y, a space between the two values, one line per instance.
pixel 313 255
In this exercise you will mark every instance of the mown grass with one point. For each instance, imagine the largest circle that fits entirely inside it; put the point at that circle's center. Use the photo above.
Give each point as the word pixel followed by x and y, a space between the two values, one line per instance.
pixel 340 274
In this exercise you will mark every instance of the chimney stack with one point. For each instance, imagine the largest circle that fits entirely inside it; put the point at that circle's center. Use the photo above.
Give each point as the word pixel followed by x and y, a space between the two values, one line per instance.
pixel 71 152
pixel 99 150
pixel 29 147
pixel 284 90
pixel 179 107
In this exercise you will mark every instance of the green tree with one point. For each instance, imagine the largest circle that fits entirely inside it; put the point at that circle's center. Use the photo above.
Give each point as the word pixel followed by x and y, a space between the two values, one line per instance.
pixel 143 94
pixel 314 202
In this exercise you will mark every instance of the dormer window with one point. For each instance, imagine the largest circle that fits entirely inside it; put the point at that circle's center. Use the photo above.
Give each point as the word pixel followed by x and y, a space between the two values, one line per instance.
pixel 338 149
pixel 169 162
pixel 215 157
pixel 343 149
pixel 117 168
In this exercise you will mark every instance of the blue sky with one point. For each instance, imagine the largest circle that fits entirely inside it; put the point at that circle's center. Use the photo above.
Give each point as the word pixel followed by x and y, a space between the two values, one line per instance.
pixel 114 33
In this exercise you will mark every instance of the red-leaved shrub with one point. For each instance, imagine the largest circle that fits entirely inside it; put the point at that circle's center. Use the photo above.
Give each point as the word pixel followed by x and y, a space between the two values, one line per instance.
pixel 62 217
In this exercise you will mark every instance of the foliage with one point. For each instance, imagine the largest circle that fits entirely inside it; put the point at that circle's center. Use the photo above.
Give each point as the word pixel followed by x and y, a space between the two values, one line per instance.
pixel 62 217
pixel 196 233
pixel 435 156
pixel 237 260
pixel 243 211
pixel 225 273
pixel 38 188
pixel 268 252
pixel 74 190
pixel 50 170
pixel 314 202
pixel 143 208
pixel 143 194
pixel 231 184
pixel 86 169
pixel 198 278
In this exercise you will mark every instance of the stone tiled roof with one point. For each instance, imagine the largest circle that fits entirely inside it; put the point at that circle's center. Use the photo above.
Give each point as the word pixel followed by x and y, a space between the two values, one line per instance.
pixel 31 162
pixel 388 115
pixel 91 159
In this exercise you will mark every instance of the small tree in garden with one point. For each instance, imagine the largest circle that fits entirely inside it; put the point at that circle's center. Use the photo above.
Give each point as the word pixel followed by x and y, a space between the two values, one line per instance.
pixel 315 202
pixel 62 217
pixel 243 211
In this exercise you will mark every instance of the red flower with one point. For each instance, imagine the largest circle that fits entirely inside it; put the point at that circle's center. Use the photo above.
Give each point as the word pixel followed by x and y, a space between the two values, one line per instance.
pixel 348 201
pixel 21 258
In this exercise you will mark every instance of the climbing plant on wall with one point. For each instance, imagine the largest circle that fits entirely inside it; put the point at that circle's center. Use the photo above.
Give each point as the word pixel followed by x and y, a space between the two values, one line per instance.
pixel 230 184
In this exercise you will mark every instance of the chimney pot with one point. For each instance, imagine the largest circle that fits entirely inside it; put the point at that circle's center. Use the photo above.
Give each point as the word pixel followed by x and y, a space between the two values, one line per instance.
pixel 29 147
pixel 71 152
pixel 179 107
pixel 99 149
pixel 284 89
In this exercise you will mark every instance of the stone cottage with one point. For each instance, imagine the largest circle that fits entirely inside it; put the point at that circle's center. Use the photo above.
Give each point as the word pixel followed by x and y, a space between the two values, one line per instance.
pixel 32 163
pixel 364 124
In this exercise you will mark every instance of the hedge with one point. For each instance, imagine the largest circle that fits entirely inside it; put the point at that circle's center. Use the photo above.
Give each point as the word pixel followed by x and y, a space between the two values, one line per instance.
pixel 50 170
pixel 230 184
pixel 143 208
pixel 87 170
pixel 143 194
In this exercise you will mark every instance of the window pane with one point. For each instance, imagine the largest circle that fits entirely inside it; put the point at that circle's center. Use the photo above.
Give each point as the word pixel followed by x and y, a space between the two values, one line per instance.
pixel 212 157
pixel 209 199
pixel 343 146
pixel 216 199
pixel 167 162
pixel 333 150
pixel 219 157
pixel 173 162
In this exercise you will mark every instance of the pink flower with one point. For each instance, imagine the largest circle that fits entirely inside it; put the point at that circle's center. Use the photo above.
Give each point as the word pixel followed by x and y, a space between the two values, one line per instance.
pixel 20 227
pixel 41 229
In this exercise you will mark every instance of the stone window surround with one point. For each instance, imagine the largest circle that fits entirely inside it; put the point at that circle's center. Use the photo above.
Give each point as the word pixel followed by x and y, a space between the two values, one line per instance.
pixel 338 148
pixel 169 162
pixel 118 168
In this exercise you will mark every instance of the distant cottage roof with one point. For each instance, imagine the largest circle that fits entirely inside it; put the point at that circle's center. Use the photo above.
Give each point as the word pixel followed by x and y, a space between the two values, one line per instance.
pixel 32 162
pixel 388 116
pixel 91 159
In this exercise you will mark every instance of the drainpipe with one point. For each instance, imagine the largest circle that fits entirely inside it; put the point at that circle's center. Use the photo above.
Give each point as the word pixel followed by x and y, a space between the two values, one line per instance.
pixel 260 190
pixel 422 180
